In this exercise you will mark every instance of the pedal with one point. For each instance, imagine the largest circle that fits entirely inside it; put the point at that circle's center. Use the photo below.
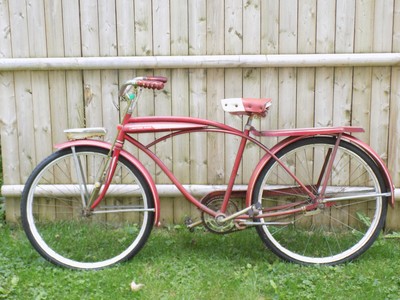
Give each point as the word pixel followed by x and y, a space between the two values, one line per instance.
pixel 190 224
pixel 188 221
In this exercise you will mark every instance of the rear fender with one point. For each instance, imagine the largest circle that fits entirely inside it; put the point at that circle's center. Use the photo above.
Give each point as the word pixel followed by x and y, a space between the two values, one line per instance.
pixel 379 162
pixel 366 148
pixel 130 158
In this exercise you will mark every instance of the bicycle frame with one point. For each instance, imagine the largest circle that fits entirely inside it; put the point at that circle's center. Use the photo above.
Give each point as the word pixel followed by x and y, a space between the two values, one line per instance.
pixel 174 126
pixel 319 196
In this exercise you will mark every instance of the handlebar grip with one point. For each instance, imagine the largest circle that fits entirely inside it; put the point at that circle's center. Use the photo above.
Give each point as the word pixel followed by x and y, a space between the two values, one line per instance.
pixel 150 84
pixel 157 78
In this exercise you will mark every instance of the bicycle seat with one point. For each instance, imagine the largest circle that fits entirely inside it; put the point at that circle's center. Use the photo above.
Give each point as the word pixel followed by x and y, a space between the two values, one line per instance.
pixel 246 106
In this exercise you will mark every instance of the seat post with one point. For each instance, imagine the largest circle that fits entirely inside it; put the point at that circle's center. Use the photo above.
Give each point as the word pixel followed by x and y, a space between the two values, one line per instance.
pixel 249 122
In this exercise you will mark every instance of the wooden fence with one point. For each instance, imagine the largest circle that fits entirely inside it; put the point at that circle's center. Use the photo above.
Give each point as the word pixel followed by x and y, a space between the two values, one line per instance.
pixel 49 79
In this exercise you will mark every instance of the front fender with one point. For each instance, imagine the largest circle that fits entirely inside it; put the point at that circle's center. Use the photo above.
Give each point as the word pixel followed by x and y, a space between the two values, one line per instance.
pixel 366 148
pixel 130 158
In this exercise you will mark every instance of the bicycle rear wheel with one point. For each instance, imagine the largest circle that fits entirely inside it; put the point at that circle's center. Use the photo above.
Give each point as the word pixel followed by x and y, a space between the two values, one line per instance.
pixel 56 220
pixel 337 231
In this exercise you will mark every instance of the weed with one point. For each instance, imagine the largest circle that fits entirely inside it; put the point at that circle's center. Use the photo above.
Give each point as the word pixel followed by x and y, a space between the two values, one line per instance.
pixel 2 211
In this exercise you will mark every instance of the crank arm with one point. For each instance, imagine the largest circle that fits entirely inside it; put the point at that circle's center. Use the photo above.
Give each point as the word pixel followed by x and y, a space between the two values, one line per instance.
pixel 192 225
pixel 253 208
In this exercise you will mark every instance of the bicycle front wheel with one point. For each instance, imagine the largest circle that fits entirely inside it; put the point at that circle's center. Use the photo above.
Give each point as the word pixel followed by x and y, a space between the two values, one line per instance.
pixel 349 217
pixel 56 219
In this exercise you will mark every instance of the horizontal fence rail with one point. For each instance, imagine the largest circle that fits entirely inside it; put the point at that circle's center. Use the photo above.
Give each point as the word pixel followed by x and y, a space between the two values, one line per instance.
pixel 165 190
pixel 201 61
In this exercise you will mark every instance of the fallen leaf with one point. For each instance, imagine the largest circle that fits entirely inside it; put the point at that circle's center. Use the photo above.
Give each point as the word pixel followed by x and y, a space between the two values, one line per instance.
pixel 136 287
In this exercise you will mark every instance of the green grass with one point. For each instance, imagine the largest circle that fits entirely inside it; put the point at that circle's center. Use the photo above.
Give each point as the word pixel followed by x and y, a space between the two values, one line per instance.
pixel 177 264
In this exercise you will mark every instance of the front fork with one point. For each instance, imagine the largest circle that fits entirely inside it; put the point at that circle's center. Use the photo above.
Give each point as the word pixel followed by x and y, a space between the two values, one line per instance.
pixel 106 176
pixel 81 178
pixel 90 200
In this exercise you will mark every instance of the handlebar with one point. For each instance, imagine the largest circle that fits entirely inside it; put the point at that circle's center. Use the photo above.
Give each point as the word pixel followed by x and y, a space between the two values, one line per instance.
pixel 147 82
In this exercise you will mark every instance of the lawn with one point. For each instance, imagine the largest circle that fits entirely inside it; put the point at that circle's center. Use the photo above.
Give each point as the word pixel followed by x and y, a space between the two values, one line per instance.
pixel 177 264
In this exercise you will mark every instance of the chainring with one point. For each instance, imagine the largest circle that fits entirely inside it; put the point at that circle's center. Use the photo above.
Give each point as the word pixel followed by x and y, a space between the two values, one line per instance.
pixel 211 223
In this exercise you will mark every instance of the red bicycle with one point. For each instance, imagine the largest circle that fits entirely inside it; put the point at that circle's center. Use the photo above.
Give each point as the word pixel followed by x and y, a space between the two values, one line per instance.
pixel 319 196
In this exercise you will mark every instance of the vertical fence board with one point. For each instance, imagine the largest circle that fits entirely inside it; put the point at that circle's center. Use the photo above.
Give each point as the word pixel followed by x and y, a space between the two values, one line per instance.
pixel 380 87
pixel 23 90
pixel 40 80
pixel 343 77
pixel 9 130
pixel 180 104
pixel 363 37
pixel 215 80
pixel 363 33
pixel 343 80
pixel 233 77
pixel 394 126
pixel 125 12
pixel 270 27
pixel 163 107
pixel 57 79
pixel 180 107
pixel 306 76
pixel 109 78
pixel 54 29
pixel 324 76
pixel 91 47
pixel 9 138
pixel 72 29
pixel 396 27
pixel 8 114
pixel 198 142
pixel 41 113
pixel 394 142
pixel 379 118
pixel 269 76
pixel 180 86
pixel 163 99
pixel 198 90
pixel 161 25
pixel 143 28
pixel 287 76
pixel 73 79
pixel 144 46
pixel 383 26
pixel 361 105
pixel 251 77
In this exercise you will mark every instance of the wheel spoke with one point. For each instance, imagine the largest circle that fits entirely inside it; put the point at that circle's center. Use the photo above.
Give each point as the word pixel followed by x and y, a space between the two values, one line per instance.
pixel 344 224
pixel 64 231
